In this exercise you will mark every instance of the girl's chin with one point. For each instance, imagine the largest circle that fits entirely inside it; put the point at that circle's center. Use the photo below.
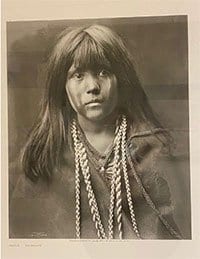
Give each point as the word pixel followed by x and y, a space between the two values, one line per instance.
pixel 97 116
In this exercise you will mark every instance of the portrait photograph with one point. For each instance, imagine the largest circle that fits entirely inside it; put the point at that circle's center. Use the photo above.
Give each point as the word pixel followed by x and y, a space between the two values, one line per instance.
pixel 99 128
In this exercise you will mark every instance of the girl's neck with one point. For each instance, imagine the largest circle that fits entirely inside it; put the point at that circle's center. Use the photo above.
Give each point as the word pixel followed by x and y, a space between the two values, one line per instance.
pixel 99 134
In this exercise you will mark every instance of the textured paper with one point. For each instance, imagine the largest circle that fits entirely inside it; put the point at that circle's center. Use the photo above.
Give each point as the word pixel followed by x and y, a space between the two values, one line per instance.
pixel 60 10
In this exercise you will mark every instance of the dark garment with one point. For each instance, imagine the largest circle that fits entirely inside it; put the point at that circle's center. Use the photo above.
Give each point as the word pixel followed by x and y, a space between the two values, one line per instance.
pixel 41 210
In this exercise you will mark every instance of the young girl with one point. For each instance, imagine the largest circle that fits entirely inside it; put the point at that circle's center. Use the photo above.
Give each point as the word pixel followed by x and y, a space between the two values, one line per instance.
pixel 94 160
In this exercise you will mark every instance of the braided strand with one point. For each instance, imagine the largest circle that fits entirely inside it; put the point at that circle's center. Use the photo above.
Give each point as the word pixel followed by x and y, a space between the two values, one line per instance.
pixel 119 200
pixel 127 184
pixel 112 192
pixel 77 182
pixel 91 196
pixel 82 164
pixel 82 158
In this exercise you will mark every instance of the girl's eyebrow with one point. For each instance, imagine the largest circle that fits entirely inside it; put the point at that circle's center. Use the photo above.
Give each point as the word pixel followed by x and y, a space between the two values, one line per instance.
pixel 74 69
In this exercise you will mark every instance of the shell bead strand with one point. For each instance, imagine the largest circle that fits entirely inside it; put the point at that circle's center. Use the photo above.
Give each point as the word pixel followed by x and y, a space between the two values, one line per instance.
pixel 119 165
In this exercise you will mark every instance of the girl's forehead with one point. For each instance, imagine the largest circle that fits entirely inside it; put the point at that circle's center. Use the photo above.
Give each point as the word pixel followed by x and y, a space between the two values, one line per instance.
pixel 89 54
pixel 77 67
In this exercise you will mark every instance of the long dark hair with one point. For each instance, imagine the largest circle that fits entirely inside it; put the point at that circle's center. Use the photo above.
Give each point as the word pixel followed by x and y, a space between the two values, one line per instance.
pixel 85 47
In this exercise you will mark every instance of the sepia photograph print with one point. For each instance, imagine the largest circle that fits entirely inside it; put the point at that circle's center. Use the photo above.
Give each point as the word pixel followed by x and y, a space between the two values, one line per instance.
pixel 98 128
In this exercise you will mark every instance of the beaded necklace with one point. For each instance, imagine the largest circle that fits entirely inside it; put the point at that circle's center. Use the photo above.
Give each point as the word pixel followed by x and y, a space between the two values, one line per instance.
pixel 119 161
pixel 99 161
pixel 103 163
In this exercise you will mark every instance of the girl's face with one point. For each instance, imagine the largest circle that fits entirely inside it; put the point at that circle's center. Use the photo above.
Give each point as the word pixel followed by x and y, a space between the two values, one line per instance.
pixel 92 94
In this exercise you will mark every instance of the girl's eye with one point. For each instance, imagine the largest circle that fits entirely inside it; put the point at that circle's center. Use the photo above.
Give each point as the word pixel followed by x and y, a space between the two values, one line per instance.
pixel 78 76
pixel 103 72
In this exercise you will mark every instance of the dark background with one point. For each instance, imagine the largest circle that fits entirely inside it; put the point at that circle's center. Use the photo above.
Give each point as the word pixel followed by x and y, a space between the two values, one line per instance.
pixel 159 46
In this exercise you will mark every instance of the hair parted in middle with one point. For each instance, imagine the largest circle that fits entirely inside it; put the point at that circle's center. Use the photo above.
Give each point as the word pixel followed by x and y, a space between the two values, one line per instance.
pixel 90 47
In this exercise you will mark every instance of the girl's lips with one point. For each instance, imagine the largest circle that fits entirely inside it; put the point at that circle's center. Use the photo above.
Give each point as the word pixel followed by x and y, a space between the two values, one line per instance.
pixel 95 101
pixel 93 104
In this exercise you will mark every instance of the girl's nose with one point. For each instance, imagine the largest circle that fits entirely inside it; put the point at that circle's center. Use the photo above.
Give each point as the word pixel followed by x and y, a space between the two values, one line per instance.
pixel 92 84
